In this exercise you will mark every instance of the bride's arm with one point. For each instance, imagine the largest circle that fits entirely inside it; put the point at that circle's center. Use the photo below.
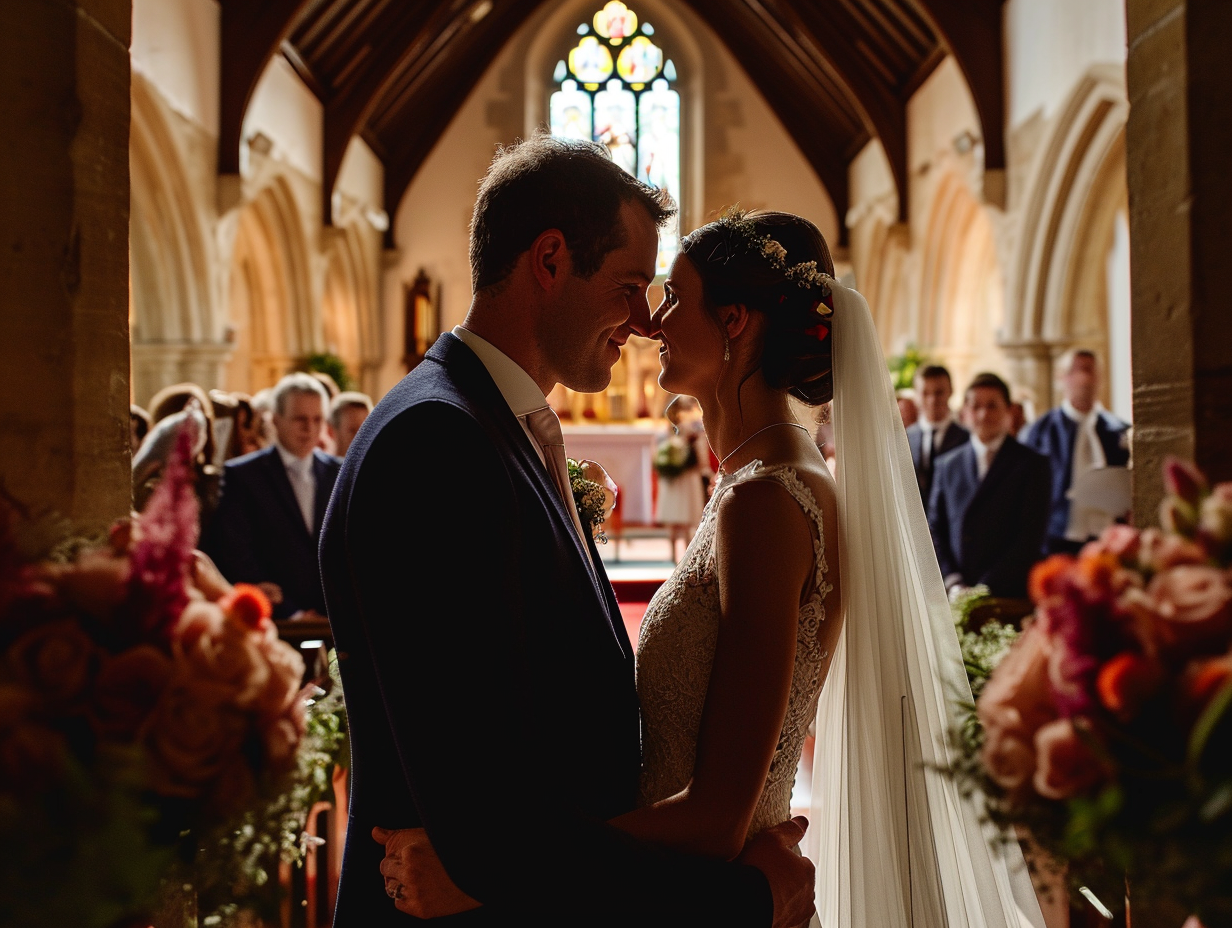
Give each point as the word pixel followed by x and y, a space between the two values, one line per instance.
pixel 764 559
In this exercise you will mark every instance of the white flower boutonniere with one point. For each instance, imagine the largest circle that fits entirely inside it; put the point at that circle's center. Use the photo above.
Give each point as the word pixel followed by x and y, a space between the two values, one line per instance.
pixel 594 495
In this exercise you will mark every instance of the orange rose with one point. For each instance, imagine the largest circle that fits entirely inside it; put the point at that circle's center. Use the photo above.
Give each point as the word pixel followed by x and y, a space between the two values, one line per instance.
pixel 247 605
pixel 1067 764
pixel 1046 576
pixel 194 733
pixel 126 689
pixel 1201 680
pixel 1126 682
pixel 56 659
pixel 1196 602
pixel 221 651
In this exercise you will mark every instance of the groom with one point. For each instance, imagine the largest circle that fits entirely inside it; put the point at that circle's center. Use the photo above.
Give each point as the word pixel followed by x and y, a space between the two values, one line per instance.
pixel 488 676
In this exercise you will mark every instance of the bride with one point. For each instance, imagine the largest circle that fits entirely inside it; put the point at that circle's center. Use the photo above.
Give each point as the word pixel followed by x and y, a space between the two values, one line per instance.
pixel 802 600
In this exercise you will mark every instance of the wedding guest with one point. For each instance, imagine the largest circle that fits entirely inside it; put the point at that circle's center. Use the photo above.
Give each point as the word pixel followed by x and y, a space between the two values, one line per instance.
pixel 989 501
pixel 1076 437
pixel 139 426
pixel 263 406
pixel 682 464
pixel 168 409
pixel 935 432
pixel 273 502
pixel 347 412
pixel 908 409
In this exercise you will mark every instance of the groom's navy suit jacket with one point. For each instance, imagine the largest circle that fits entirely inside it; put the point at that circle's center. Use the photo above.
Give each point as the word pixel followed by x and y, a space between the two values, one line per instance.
pixel 489 678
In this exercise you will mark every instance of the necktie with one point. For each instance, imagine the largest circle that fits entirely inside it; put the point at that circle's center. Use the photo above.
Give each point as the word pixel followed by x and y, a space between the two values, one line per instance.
pixel 986 461
pixel 544 425
pixel 305 490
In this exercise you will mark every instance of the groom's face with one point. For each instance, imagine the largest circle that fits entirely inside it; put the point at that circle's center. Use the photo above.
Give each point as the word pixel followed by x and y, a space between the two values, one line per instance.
pixel 589 322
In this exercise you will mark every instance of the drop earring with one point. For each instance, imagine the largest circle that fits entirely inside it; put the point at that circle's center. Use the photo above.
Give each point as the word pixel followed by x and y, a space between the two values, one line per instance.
pixel 726 347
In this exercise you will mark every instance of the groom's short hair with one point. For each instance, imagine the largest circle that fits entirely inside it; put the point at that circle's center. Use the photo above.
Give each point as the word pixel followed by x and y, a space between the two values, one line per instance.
pixel 549 183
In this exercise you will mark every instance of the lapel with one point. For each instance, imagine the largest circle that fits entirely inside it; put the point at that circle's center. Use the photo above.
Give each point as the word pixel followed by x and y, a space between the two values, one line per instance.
pixel 320 474
pixel 969 477
pixel 955 435
pixel 276 473
pixel 469 373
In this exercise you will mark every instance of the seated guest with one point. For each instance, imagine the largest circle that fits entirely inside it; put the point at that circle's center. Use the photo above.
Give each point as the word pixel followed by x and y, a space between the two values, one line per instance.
pixel 138 426
pixel 935 431
pixel 267 525
pixel 1077 436
pixel 347 412
pixel 989 501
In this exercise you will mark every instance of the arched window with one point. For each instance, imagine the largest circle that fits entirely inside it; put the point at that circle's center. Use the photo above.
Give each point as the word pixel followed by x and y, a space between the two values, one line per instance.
pixel 615 87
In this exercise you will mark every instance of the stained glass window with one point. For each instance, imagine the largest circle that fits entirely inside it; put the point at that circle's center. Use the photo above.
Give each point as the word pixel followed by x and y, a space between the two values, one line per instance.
pixel 615 87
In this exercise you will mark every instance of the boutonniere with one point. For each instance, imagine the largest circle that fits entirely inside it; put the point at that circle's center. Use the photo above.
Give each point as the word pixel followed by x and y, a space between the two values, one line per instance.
pixel 594 495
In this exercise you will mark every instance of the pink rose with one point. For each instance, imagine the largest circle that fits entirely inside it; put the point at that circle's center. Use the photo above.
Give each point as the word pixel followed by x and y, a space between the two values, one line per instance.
pixel 194 733
pixel 1159 551
pixel 211 647
pixel 1196 602
pixel 285 675
pixel 1015 702
pixel 1121 541
pixel 56 659
pixel 126 690
pixel 1137 614
pixel 1067 764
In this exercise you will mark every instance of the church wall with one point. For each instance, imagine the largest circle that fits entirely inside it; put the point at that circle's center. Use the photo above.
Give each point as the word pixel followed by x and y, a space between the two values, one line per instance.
pixel 176 47
pixel 734 150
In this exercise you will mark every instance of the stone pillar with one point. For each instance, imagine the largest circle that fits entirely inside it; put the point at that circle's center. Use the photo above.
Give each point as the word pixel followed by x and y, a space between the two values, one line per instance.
pixel 64 113
pixel 1180 203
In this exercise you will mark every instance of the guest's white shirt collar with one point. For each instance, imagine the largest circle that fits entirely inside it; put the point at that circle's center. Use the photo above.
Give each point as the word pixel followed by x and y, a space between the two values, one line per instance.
pixel 291 461
pixel 935 426
pixel 516 386
pixel 980 448
pixel 1068 408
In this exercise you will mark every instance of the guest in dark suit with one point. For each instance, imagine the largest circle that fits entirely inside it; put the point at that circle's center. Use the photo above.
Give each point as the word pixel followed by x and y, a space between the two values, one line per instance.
pixel 935 432
pixel 1077 436
pixel 488 676
pixel 273 503
pixel 989 501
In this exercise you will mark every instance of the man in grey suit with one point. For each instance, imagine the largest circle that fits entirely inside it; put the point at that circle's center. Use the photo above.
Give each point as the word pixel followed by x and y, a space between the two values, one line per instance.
pixel 935 432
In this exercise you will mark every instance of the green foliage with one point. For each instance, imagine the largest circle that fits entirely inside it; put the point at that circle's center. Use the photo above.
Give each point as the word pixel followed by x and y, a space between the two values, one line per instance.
pixel 903 366
pixel 334 366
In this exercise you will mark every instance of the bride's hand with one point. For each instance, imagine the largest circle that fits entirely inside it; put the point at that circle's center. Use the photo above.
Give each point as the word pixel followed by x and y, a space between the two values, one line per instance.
pixel 415 878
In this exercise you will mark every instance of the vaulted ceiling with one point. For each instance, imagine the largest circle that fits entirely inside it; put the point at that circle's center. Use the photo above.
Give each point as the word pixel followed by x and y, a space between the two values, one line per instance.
pixel 837 73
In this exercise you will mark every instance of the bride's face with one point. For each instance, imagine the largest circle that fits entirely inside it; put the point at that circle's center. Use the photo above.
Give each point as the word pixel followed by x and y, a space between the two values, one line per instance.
pixel 691 349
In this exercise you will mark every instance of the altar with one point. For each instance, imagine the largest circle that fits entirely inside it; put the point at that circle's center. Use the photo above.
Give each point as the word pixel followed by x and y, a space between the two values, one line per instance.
pixel 626 452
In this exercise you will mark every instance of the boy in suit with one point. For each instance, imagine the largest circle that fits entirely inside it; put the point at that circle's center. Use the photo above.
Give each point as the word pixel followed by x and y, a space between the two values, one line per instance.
pixel 989 501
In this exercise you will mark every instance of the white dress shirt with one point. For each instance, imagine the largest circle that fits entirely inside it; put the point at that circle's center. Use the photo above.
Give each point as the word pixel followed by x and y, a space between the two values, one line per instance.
pixel 303 482
pixel 931 437
pixel 520 392
pixel 984 454
pixel 1088 455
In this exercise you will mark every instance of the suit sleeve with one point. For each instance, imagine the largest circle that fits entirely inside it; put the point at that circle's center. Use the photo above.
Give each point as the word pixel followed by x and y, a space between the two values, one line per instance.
pixel 455 683
pixel 939 525
pixel 1010 570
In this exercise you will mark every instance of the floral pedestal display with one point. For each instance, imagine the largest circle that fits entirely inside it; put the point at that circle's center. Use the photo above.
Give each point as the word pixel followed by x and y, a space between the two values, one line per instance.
pixel 145 706
pixel 1106 731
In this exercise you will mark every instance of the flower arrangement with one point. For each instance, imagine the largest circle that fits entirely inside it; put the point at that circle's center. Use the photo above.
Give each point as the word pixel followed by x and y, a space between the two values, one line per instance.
pixel 594 495
pixel 1106 730
pixel 674 455
pixel 138 709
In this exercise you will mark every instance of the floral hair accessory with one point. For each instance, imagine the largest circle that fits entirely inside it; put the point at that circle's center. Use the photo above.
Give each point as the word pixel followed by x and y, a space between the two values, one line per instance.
pixel 741 231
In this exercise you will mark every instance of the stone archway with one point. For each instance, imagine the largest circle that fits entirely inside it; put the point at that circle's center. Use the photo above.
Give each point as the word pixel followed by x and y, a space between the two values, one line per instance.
pixel 271 314
pixel 349 318
pixel 175 333
pixel 961 289
pixel 1057 299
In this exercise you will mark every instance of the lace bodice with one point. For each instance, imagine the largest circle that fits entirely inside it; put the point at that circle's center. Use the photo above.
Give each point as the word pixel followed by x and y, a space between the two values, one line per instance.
pixel 676 651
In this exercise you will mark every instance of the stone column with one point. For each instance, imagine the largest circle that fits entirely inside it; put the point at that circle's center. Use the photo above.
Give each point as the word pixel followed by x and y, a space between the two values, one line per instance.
pixel 1180 202
pixel 64 114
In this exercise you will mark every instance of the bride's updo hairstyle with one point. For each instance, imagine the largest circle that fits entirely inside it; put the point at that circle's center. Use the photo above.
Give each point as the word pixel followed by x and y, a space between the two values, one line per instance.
pixel 739 261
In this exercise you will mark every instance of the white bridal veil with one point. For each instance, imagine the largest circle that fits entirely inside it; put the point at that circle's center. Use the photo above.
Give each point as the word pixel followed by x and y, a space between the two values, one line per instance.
pixel 896 845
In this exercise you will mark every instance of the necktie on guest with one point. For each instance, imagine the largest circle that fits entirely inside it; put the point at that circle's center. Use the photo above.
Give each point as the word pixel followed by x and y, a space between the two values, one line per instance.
pixel 305 489
pixel 544 425
pixel 985 461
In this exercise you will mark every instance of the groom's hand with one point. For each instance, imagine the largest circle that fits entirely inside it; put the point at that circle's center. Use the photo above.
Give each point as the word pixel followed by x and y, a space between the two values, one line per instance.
pixel 415 878
pixel 790 874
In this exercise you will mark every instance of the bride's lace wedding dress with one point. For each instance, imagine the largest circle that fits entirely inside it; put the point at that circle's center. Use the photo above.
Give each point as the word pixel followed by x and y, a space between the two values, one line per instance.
pixel 676 651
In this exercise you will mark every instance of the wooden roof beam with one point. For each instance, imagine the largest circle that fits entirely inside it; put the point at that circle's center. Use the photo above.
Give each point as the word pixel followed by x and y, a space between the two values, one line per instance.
pixel 972 31
pixel 251 32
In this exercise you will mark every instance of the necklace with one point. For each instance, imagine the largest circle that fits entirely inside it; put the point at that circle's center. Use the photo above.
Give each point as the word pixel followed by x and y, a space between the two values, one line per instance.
pixel 796 425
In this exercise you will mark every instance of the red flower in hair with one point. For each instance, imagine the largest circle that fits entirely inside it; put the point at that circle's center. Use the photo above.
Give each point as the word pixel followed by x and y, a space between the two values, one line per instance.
pixel 818 331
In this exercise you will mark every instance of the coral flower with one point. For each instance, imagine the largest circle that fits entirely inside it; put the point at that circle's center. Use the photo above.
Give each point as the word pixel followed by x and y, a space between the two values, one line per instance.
pixel 248 605
pixel 1048 577
pixel 1126 682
